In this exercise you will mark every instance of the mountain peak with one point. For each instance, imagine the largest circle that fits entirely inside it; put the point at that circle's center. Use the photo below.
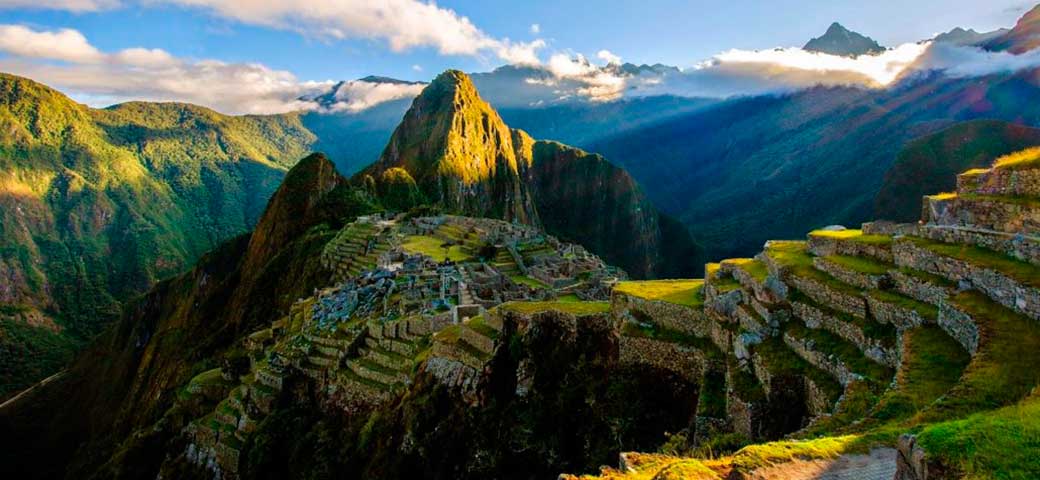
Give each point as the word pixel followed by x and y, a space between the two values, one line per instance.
pixel 968 37
pixel 839 40
pixel 1023 38
pixel 460 152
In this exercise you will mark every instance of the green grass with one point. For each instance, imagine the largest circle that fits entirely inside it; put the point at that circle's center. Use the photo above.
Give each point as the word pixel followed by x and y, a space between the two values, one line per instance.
pixel 432 247
pixel 744 384
pixel 711 400
pixel 574 308
pixel 570 297
pixel 855 236
pixel 375 366
pixel 1025 159
pixel 848 353
pixel 530 282
pixel 1004 369
pixel 754 457
pixel 479 325
pixel 790 254
pixel 1023 200
pixel 1000 444
pixel 671 336
pixel 925 310
pixel 680 292
pixel 350 375
pixel 725 284
pixel 209 377
pixel 1022 272
pixel 781 360
pixel 472 351
pixel 932 364
pixel 753 267
pixel 864 265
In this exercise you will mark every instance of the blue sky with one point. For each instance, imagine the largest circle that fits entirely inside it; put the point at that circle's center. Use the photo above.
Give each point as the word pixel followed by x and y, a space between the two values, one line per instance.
pixel 79 45
pixel 672 32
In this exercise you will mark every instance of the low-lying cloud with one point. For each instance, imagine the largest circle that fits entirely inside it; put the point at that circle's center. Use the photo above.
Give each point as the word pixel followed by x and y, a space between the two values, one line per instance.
pixel 780 70
pixel 358 95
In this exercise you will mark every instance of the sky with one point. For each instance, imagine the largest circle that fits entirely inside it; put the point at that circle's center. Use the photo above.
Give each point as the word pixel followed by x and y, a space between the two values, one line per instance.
pixel 109 50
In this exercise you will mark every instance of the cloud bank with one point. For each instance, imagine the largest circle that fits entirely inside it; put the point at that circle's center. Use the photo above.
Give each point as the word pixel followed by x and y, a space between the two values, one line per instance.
pixel 66 60
pixel 760 72
pixel 358 95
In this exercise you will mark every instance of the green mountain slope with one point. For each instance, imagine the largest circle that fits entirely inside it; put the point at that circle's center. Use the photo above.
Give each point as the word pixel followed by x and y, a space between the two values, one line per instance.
pixel 98 205
pixel 930 164
pixel 179 329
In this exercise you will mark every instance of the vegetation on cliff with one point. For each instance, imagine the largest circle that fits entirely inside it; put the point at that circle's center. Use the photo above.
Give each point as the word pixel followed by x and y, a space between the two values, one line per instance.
pixel 98 205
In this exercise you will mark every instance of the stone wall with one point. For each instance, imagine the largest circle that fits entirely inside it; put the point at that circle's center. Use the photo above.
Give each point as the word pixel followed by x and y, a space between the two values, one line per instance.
pixel 725 303
pixel 997 286
pixel 960 326
pixel 686 361
pixel 826 362
pixel 478 340
pixel 993 214
pixel 823 246
pixel 679 318
pixel 871 348
pixel 919 289
pixel 1022 247
pixel 851 304
pixel 1000 181
pixel 848 275
pixel 892 314
pixel 891 228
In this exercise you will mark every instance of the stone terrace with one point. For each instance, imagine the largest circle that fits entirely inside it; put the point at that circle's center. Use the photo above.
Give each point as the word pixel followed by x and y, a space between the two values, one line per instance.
pixel 861 331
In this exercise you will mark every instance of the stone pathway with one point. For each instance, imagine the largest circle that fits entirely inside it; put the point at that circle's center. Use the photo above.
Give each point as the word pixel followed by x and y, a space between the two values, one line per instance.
pixel 879 465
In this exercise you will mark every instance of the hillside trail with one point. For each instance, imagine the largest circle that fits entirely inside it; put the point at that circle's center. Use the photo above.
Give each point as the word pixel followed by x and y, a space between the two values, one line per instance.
pixel 880 464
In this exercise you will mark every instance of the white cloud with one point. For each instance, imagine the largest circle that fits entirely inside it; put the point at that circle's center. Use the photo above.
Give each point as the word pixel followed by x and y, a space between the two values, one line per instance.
pixel 536 28
pixel 69 5
pixel 967 61
pixel 71 64
pixel 360 95
pixel 417 68
pixel 403 24
pixel 68 45
pixel 609 57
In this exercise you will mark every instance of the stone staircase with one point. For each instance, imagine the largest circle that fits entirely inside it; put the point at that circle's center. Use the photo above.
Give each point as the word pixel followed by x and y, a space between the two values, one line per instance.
pixel 888 326
pixel 355 248
pixel 385 360
pixel 505 264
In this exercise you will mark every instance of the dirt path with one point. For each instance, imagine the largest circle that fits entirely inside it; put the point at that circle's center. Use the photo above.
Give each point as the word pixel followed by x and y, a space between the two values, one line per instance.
pixel 879 465
pixel 25 392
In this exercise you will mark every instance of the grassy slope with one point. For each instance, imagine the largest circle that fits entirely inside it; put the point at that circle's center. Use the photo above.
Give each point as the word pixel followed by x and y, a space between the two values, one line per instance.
pixel 98 205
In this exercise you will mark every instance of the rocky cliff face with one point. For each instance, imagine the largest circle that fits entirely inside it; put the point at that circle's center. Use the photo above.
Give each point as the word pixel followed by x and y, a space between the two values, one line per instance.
pixel 460 153
pixel 584 197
